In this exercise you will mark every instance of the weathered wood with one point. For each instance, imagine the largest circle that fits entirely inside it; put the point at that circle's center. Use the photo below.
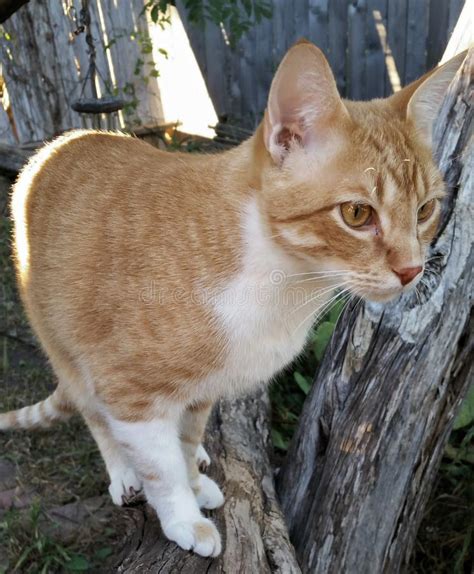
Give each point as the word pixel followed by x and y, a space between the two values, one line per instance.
pixel 40 53
pixel 396 43
pixel 370 439
pixel 356 49
pixel 375 57
pixel 438 31
pixel 417 35
pixel 337 42
pixel 255 539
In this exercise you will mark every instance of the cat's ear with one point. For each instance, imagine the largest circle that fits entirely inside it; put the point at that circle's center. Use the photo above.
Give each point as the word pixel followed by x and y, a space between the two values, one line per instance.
pixel 421 101
pixel 303 104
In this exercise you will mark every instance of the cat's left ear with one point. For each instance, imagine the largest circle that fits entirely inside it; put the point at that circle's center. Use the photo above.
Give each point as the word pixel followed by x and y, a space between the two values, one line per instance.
pixel 304 106
pixel 425 97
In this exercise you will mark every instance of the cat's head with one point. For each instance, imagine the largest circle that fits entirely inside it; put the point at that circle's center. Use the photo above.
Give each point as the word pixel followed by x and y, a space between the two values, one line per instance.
pixel 351 186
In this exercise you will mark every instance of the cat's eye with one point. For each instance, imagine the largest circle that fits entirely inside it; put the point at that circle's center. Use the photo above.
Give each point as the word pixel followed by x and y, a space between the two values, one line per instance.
pixel 426 210
pixel 356 214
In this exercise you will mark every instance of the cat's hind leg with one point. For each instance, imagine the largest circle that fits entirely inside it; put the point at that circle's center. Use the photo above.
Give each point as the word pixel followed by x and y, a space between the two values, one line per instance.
pixel 193 425
pixel 154 447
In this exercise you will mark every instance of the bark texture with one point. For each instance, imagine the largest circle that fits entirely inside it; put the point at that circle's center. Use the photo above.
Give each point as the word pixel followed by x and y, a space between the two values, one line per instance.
pixel 255 539
pixel 368 446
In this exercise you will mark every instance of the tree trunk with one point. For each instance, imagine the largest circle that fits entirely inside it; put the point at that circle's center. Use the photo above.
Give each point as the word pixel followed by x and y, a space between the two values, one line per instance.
pixel 255 538
pixel 370 440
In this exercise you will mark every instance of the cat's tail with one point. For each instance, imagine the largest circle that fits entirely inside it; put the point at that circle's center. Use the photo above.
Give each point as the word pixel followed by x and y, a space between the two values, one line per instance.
pixel 41 415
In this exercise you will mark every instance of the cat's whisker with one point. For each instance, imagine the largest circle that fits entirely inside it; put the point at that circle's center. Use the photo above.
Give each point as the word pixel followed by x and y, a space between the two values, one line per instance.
pixel 320 278
pixel 320 310
pixel 316 294
pixel 318 273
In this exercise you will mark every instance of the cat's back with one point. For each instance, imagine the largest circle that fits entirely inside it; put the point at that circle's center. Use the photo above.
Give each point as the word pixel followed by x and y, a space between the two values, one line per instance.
pixel 100 218
pixel 85 166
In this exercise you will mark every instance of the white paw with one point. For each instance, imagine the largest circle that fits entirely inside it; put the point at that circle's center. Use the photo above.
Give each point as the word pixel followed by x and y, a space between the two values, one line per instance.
pixel 208 494
pixel 124 484
pixel 201 536
pixel 202 458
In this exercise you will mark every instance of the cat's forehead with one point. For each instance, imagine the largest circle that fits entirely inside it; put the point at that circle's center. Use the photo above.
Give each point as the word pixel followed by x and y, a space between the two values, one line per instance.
pixel 387 151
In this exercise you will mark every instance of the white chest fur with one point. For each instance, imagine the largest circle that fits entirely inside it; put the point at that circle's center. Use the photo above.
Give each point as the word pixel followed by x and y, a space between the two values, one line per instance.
pixel 263 322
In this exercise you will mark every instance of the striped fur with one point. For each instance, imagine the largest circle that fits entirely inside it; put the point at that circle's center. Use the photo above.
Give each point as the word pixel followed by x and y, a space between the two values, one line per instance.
pixel 40 415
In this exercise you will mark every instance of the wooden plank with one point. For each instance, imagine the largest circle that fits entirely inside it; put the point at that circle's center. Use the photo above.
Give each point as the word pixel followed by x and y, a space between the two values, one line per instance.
pixel 218 70
pixel 264 65
pixel 375 70
pixel 300 19
pixel 279 40
pixel 455 9
pixel 438 31
pixel 247 82
pixel 417 37
pixel 337 44
pixel 318 17
pixel 396 44
pixel 356 87
pixel 39 70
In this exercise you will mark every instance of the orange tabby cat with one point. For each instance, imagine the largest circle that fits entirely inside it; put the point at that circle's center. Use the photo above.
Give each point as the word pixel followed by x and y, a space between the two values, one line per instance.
pixel 159 282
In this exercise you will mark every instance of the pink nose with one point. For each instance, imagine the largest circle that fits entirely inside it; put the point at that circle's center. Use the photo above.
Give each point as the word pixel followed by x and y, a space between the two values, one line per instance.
pixel 407 274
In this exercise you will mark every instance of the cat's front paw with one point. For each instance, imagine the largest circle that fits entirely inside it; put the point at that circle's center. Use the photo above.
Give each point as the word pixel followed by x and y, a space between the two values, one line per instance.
pixel 124 484
pixel 208 494
pixel 200 536
pixel 202 458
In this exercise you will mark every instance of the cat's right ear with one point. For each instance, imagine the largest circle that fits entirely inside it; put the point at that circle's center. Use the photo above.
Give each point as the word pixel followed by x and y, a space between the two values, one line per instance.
pixel 304 104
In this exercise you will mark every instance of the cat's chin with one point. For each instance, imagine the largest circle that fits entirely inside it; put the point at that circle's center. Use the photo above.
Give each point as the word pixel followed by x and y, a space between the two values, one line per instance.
pixel 382 296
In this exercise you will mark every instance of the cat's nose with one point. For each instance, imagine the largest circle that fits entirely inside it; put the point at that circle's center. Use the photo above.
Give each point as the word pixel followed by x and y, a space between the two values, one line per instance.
pixel 407 274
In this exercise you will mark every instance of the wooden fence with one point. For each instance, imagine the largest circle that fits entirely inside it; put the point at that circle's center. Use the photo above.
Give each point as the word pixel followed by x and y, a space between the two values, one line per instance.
pixel 360 38
pixel 44 62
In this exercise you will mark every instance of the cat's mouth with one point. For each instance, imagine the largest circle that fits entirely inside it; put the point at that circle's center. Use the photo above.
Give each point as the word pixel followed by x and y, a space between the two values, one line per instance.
pixel 386 294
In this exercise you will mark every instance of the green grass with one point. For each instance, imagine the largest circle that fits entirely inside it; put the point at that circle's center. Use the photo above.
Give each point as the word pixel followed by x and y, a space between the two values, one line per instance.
pixel 31 550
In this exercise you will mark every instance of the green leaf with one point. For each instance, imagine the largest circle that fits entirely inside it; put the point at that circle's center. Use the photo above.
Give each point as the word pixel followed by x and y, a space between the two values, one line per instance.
pixel 466 414
pixel 155 13
pixel 336 310
pixel 302 382
pixel 103 553
pixel 278 440
pixel 110 44
pixel 321 338
pixel 78 563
